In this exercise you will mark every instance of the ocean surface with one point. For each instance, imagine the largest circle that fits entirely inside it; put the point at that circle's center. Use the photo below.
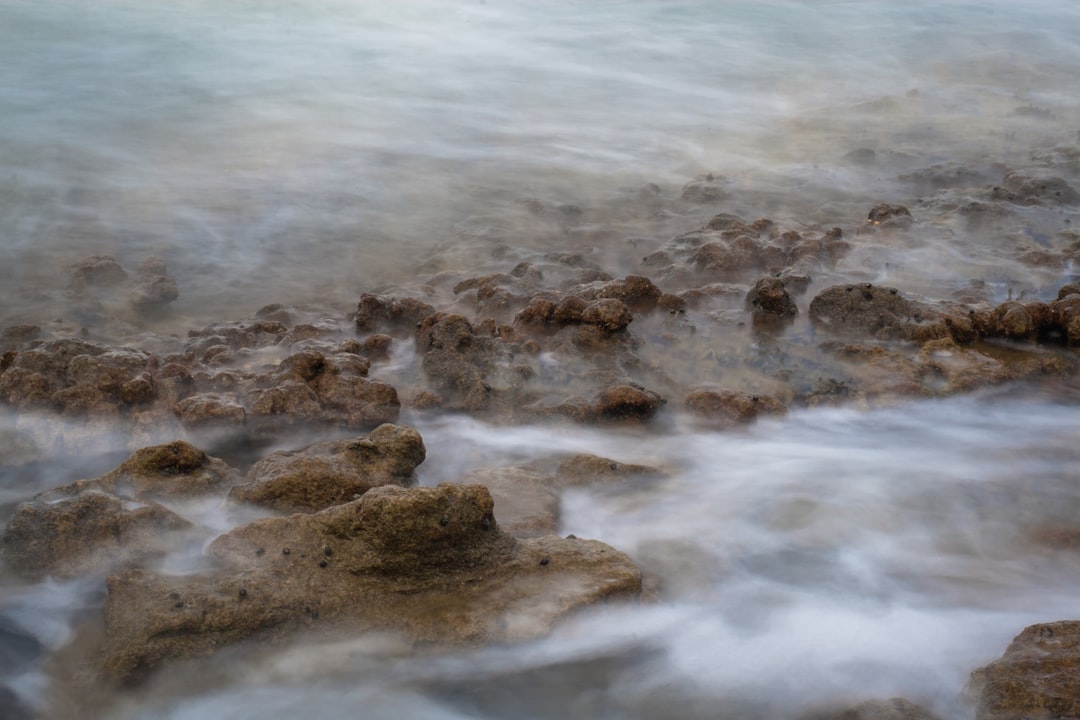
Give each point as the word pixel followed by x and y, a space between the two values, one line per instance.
pixel 302 153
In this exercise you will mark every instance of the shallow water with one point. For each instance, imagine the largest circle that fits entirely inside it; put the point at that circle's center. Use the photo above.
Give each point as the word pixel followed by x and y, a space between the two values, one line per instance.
pixel 304 153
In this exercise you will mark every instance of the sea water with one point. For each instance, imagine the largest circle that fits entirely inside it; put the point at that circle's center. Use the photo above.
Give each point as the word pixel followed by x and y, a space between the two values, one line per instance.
pixel 295 152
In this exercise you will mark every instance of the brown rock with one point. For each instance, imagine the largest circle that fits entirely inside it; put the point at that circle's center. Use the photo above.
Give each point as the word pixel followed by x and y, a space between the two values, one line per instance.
pixel 879 312
pixel 469 370
pixel 430 564
pixel 207 410
pixel 626 403
pixel 769 298
pixel 705 189
pixel 173 470
pixel 154 292
pixel 892 709
pixel 526 501
pixel 589 469
pixel 609 314
pixel 726 408
pixel 98 271
pixel 88 532
pixel 333 472
pixel 377 312
pixel 1037 677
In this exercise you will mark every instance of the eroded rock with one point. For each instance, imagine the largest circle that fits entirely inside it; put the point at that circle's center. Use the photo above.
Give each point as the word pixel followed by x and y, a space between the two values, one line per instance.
pixel 430 564
pixel 1038 676
pixel 333 472
pixel 91 531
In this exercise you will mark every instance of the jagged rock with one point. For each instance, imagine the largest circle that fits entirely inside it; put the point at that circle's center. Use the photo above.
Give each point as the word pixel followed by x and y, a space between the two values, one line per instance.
pixel 726 408
pixel 98 271
pixel 609 314
pixel 90 531
pixel 589 469
pixel 769 300
pixel 470 370
pixel 526 501
pixel 1037 677
pixel 335 389
pixel 208 410
pixel 1036 186
pixel 889 216
pixel 430 564
pixel 173 470
pixel 377 312
pixel 333 472
pixel 154 292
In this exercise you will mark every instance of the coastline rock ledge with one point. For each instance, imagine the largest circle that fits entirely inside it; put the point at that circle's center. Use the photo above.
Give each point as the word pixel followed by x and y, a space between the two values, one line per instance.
pixel 428 563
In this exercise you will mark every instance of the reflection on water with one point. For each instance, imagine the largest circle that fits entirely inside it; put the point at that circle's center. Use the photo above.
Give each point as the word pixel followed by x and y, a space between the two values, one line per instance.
pixel 305 152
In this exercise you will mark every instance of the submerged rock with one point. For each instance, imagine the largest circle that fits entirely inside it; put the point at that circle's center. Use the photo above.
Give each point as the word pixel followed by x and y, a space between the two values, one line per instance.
pixel 333 472
pixel 430 564
pixel 91 531
pixel 527 501
pixel 173 470
pixel 589 469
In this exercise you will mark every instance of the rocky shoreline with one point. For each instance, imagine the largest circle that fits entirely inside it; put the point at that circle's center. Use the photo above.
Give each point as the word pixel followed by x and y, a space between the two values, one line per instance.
pixel 714 329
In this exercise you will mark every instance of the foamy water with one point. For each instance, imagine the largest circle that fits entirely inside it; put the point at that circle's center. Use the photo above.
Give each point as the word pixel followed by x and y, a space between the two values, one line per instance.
pixel 287 152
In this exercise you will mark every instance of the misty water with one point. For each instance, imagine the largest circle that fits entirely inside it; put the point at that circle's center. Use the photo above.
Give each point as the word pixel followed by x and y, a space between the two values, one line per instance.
pixel 302 153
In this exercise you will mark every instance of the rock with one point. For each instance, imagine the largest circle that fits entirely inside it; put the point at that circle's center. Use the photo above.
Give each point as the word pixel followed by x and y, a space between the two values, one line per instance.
pixel 333 472
pixel 590 469
pixel 892 709
pixel 626 403
pixel 154 292
pixel 727 408
pixel 769 300
pixel 638 292
pixel 334 389
pixel 1037 677
pixel 430 564
pixel 890 216
pixel 170 471
pixel 875 311
pixel 610 315
pixel 1036 186
pixel 97 271
pixel 16 337
pixel 705 189
pixel 526 501
pixel 377 312
pixel 151 266
pixel 211 410
pixel 469 370
pixel 91 531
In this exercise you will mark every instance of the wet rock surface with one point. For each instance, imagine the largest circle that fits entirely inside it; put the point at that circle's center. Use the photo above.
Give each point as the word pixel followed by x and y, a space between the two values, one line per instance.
pixel 91 531
pixel 1036 677
pixel 333 472
pixel 430 564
